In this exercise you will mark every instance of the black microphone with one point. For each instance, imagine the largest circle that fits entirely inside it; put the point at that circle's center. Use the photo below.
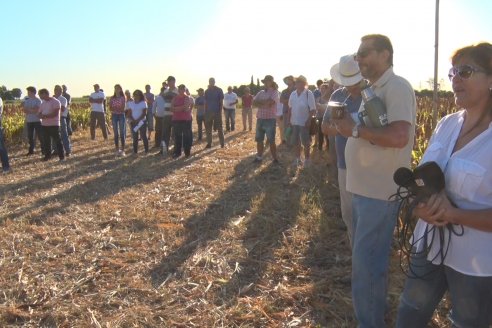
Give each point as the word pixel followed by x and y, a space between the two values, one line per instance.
pixel 426 180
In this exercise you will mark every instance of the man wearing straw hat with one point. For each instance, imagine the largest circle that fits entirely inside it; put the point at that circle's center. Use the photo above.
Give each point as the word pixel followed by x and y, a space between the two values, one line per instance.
pixel 267 101
pixel 347 74
pixel 372 155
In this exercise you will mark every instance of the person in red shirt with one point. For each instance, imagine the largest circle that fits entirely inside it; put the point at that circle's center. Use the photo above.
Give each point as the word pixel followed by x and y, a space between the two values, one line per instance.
pixel 247 111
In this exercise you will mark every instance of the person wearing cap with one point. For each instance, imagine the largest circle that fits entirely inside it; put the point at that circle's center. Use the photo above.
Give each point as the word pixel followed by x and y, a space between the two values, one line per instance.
pixel 347 74
pixel 230 101
pixel 247 111
pixel 372 155
pixel 97 99
pixel 4 156
pixel 266 100
pixel 30 105
pixel 284 99
pixel 200 112
pixel 302 107
pixel 214 97
pixel 168 96
pixel 149 98
pixel 181 108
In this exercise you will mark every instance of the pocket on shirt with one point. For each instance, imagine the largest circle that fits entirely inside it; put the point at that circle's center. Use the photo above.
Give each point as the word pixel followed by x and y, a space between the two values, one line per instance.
pixel 469 177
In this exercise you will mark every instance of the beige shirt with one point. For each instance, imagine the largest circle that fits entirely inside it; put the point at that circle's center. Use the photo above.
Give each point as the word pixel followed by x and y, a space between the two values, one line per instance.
pixel 370 167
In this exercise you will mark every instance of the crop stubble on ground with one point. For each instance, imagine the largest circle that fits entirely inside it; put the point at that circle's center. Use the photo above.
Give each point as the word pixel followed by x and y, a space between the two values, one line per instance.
pixel 211 241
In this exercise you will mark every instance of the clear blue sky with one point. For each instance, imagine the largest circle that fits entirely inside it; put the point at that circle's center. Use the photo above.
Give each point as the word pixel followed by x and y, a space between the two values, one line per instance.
pixel 79 43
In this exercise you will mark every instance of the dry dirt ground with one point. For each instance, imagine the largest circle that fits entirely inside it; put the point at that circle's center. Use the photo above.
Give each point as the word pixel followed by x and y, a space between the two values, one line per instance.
pixel 145 241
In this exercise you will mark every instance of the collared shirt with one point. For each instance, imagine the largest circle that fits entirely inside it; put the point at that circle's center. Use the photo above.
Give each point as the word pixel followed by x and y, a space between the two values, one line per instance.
pixel 159 106
pixel 302 105
pixel 97 107
pixel 229 98
pixel 213 99
pixel 32 103
pixel 48 107
pixel 267 112
pixel 352 106
pixel 468 176
pixel 370 167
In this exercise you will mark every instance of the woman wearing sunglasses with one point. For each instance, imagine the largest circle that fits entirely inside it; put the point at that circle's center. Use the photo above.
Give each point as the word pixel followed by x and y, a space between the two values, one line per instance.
pixel 461 262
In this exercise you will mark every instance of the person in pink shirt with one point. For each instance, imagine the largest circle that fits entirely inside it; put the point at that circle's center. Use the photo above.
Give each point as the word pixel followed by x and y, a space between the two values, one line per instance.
pixel 247 112
pixel 181 107
pixel 117 105
pixel 49 113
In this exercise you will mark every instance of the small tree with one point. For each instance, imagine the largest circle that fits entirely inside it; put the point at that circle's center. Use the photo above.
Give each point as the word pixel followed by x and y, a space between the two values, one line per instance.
pixel 16 93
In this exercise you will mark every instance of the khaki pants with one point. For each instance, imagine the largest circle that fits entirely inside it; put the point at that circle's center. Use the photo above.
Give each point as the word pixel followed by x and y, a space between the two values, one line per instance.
pixel 98 119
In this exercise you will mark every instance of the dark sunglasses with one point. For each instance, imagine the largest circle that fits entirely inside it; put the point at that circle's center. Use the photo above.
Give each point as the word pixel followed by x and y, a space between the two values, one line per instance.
pixel 464 72
pixel 364 52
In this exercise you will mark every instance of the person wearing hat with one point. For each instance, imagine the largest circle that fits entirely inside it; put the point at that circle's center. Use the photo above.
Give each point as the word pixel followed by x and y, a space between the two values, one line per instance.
pixel 214 97
pixel 372 155
pixel 266 100
pixel 97 99
pixel 345 73
pixel 284 99
pixel 200 112
pixel 247 111
pixel 302 107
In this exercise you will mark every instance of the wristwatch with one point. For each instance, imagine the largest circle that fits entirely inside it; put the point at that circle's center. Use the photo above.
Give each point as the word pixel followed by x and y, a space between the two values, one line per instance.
pixel 355 131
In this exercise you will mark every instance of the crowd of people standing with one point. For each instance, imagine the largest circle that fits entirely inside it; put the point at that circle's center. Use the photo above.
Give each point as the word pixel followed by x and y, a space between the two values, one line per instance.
pixel 366 158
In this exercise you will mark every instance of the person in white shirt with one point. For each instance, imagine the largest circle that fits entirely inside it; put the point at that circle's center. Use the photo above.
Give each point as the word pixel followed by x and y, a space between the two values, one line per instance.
pixel 461 261
pixel 301 108
pixel 137 116
pixel 158 110
pixel 230 101
pixel 65 138
pixel 96 99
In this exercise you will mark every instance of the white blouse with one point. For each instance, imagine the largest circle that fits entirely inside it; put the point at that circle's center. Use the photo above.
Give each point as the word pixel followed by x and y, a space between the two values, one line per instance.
pixel 468 175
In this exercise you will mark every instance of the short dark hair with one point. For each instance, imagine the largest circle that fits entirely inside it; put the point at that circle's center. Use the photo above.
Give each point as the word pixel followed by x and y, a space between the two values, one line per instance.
pixel 380 43
pixel 480 54
pixel 31 89
pixel 319 83
pixel 44 92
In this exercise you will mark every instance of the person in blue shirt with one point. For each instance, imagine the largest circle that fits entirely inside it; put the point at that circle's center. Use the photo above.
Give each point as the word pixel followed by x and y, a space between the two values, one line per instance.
pixel 214 97
pixel 350 95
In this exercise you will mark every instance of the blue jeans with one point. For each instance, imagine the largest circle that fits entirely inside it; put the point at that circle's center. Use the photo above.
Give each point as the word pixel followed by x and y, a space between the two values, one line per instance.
pixel 471 297
pixel 230 117
pixel 373 222
pixel 4 156
pixel 119 129
pixel 143 136
pixel 64 135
